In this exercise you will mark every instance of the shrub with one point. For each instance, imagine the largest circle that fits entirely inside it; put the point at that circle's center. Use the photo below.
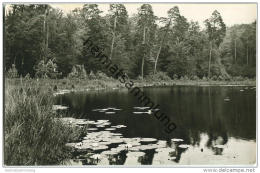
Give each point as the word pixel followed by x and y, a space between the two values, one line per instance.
pixel 184 78
pixel 204 78
pixel 175 77
pixel 92 75
pixel 32 134
pixel 159 76
pixel 78 72
pixel 47 70
pixel 12 72
pixel 214 77
pixel 139 78
pixel 102 76
pixel 194 77
pixel 27 76
pixel 238 78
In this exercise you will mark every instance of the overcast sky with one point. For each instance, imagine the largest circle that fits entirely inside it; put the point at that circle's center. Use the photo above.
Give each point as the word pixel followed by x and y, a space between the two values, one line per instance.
pixel 231 13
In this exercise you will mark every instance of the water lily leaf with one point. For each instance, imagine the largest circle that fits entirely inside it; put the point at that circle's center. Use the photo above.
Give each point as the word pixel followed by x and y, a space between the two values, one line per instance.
pixel 59 107
pixel 110 129
pixel 110 112
pixel 135 154
pixel 184 146
pixel 177 140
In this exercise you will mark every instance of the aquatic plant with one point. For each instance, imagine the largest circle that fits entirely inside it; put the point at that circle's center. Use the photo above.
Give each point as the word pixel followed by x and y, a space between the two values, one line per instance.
pixel 33 134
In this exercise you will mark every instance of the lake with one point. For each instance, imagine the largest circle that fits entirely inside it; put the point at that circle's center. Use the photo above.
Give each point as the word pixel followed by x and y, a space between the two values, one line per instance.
pixel 215 125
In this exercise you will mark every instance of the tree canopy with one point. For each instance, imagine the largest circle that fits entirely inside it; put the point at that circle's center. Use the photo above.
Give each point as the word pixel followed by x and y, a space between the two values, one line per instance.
pixel 143 44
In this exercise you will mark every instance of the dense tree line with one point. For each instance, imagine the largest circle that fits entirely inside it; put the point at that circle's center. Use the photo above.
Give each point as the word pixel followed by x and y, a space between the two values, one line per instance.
pixel 39 39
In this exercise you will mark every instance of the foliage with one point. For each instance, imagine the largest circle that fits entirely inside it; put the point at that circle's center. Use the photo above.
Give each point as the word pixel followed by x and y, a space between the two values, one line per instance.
pixel 35 33
pixel 12 72
pixel 47 70
pixel 159 76
pixel 78 71
pixel 102 76
pixel 33 136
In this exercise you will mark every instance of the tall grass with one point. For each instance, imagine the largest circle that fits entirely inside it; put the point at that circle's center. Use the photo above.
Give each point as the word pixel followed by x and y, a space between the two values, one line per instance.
pixel 33 135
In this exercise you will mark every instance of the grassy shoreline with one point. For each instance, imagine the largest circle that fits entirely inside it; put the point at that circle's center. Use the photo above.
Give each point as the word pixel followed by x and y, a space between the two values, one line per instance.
pixel 55 85
pixel 32 133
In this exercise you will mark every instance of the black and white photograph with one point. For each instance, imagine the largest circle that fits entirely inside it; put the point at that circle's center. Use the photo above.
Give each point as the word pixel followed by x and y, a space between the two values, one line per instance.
pixel 141 84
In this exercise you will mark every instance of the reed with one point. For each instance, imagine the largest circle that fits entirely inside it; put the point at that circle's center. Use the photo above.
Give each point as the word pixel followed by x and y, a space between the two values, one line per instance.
pixel 33 134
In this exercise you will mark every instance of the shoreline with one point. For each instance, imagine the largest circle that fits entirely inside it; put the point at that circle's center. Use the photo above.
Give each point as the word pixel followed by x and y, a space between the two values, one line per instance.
pixel 63 86
pixel 116 85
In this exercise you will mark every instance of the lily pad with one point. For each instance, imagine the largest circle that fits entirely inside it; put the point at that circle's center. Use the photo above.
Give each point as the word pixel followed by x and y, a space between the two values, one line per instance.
pixel 100 126
pixel 110 129
pixel 147 147
pixel 148 140
pixel 110 112
pixel 118 126
pixel 107 153
pixel 177 140
pixel 141 108
pixel 96 156
pixel 165 150
pixel 100 148
pixel 219 146
pixel 117 134
pixel 103 121
pixel 227 99
pixel 184 146
pixel 139 112
pixel 162 143
pixel 90 122
pixel 135 154
pixel 59 107
pixel 92 129
pixel 116 141
pixel 82 123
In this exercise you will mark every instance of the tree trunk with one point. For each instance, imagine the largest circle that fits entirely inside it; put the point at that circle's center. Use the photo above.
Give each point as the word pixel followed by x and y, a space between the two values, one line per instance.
pixel 247 51
pixel 45 31
pixel 235 50
pixel 159 51
pixel 142 67
pixel 113 39
pixel 210 51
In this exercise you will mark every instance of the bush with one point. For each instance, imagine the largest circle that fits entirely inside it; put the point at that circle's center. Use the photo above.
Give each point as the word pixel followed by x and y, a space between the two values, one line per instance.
pixel 102 76
pixel 175 77
pixel 214 77
pixel 194 77
pixel 27 76
pixel 204 78
pixel 184 78
pixel 238 78
pixel 78 72
pixel 47 70
pixel 12 72
pixel 159 76
pixel 32 134
pixel 92 75
pixel 139 78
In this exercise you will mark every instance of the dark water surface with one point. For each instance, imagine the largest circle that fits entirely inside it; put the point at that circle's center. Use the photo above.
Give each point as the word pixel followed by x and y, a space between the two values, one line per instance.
pixel 205 117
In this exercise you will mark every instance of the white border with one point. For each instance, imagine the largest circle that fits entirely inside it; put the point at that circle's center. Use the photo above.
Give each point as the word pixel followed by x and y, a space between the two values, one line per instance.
pixel 178 168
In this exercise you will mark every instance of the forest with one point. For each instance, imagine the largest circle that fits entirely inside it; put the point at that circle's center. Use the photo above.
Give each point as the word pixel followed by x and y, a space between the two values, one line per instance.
pixel 43 42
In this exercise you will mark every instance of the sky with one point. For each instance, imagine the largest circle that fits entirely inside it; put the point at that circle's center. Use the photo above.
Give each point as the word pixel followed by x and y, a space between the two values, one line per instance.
pixel 231 13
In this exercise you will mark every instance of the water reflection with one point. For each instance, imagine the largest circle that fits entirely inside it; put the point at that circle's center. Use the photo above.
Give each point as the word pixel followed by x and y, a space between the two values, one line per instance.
pixel 218 130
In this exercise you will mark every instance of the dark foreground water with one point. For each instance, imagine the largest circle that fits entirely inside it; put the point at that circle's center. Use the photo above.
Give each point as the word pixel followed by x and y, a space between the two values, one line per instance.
pixel 218 124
